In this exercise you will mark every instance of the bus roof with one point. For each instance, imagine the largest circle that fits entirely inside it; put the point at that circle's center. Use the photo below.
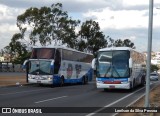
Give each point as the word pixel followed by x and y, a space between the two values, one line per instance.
pixel 116 48
pixel 62 47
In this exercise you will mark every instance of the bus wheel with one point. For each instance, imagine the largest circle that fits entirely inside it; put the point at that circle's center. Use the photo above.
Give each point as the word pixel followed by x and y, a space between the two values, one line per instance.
pixel 86 80
pixel 83 80
pixel 105 89
pixel 142 81
pixel 52 86
pixel 132 85
pixel 61 81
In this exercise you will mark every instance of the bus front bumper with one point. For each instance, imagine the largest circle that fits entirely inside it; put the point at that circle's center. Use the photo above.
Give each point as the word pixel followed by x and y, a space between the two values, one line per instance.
pixel 40 79
pixel 113 86
pixel 46 82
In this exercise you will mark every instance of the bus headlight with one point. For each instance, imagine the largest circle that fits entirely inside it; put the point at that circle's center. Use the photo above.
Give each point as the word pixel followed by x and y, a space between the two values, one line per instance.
pixel 99 82
pixel 49 78
pixel 124 82
pixel 29 77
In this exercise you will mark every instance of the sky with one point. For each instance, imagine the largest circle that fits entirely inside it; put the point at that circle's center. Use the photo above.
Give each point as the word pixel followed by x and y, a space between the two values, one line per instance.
pixel 119 19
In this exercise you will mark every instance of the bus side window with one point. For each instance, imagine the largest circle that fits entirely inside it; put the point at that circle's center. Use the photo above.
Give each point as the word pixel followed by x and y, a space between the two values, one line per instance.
pixel 57 62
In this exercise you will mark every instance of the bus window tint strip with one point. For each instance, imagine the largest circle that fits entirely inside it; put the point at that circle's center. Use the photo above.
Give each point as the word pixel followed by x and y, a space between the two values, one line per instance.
pixel 43 53
pixel 76 56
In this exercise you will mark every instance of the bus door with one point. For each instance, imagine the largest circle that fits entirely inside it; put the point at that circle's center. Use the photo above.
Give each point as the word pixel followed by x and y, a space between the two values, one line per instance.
pixel 57 62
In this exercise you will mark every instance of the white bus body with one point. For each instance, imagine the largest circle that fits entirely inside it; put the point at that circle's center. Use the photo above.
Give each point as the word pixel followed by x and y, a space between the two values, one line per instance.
pixel 58 65
pixel 119 68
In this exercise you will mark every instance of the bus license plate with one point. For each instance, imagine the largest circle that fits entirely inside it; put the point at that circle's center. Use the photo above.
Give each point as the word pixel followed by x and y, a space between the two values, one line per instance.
pixel 111 86
pixel 38 81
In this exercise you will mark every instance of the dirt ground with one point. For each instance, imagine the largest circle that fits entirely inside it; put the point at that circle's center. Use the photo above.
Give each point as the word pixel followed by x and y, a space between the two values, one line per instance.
pixel 154 102
pixel 12 80
pixel 154 94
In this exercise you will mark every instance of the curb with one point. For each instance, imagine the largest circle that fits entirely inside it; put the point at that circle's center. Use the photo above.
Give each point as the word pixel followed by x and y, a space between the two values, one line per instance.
pixel 141 97
pixel 136 100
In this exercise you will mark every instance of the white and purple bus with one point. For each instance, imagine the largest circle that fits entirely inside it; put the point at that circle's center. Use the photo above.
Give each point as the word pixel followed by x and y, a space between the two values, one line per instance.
pixel 58 65
pixel 119 68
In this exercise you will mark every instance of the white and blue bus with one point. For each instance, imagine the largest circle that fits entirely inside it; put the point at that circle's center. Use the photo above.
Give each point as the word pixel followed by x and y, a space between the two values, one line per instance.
pixel 119 68
pixel 58 65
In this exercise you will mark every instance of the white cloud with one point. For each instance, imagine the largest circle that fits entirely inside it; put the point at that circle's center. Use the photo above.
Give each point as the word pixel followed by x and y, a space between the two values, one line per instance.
pixel 7 28
pixel 130 21
pixel 8 17
pixel 7 24
pixel 6 33
pixel 119 19
pixel 135 2
pixel 132 38
pixel 122 19
pixel 129 3
pixel 7 13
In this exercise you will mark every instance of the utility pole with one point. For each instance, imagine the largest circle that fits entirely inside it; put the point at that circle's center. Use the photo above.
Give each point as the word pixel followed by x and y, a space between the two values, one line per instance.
pixel 150 25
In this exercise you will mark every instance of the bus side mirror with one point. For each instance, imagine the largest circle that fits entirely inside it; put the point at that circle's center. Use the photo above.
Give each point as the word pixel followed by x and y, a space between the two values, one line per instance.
pixel 130 62
pixel 52 64
pixel 24 64
pixel 94 64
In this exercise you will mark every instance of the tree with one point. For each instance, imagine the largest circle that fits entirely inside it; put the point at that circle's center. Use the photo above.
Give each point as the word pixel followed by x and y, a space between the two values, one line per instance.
pixel 48 24
pixel 1 52
pixel 17 50
pixel 128 43
pixel 154 68
pixel 118 43
pixel 91 38
pixel 124 43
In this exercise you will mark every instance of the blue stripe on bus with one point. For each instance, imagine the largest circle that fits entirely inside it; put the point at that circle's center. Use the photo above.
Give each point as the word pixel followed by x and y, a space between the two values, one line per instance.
pixel 90 74
pixel 73 80
pixel 112 79
pixel 57 79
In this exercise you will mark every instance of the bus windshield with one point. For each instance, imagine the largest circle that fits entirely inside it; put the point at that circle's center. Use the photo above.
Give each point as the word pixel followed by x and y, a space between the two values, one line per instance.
pixel 41 67
pixel 113 64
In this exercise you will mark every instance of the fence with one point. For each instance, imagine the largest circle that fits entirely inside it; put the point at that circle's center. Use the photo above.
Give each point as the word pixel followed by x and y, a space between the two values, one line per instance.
pixel 10 67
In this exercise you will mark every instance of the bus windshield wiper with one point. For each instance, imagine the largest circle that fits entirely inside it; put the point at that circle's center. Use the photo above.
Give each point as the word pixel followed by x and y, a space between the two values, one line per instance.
pixel 34 71
pixel 107 70
pixel 116 71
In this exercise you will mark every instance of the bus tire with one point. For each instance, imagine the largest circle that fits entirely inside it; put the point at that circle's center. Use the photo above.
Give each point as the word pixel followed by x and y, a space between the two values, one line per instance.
pixel 132 86
pixel 83 80
pixel 61 81
pixel 52 86
pixel 105 89
pixel 86 79
pixel 142 81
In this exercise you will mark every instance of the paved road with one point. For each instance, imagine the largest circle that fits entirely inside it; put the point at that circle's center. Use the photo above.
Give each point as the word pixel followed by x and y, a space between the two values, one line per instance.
pixel 68 96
